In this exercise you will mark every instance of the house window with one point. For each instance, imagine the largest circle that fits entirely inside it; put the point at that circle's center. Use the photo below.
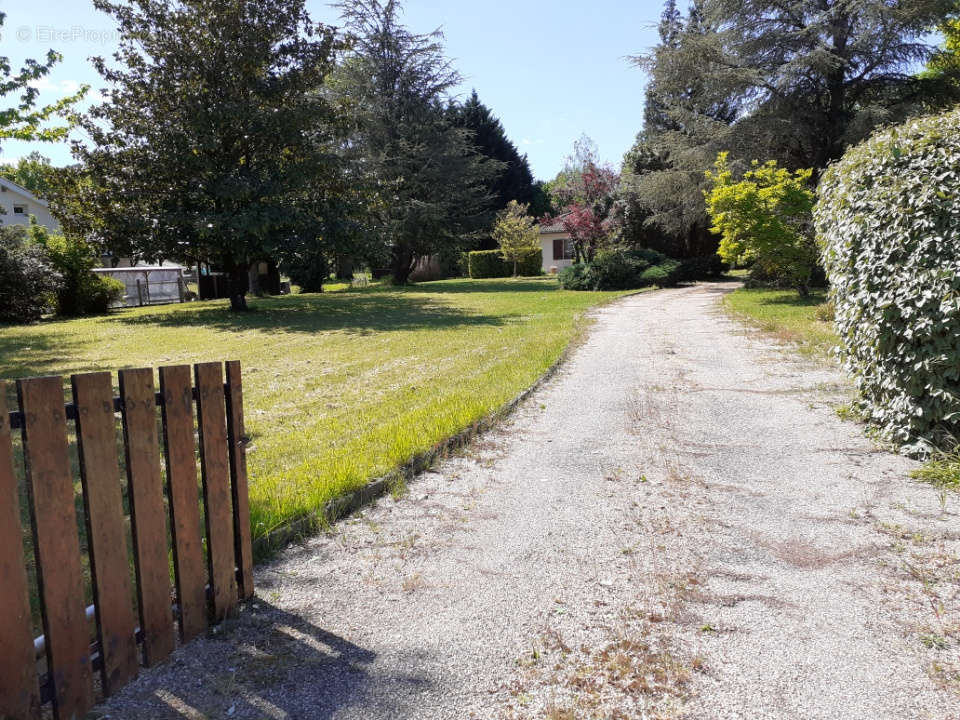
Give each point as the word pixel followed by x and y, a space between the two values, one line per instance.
pixel 563 249
pixel 19 209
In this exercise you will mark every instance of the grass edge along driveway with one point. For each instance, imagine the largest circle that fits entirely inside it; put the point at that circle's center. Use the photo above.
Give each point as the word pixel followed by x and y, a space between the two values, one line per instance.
pixel 340 387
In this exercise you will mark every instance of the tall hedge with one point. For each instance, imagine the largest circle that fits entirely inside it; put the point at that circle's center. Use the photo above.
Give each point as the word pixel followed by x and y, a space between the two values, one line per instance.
pixel 490 264
pixel 888 219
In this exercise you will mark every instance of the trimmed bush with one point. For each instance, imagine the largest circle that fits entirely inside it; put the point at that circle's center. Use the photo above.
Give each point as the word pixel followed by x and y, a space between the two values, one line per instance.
pixel 888 219
pixel 28 282
pixel 618 269
pixel 490 264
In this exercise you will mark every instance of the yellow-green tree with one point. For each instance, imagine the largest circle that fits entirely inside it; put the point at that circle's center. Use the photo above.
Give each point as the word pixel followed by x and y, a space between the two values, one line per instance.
pixel 516 233
pixel 765 219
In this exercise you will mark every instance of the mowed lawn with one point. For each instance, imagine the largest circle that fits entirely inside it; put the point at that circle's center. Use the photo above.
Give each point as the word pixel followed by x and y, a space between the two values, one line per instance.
pixel 338 387
pixel 787 316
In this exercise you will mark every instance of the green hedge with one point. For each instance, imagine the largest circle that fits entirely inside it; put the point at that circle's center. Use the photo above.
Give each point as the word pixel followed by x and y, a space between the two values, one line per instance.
pixel 490 264
pixel 888 218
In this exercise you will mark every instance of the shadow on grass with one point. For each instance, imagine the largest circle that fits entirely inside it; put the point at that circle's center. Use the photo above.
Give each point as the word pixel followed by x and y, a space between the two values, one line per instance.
pixel 36 355
pixel 354 312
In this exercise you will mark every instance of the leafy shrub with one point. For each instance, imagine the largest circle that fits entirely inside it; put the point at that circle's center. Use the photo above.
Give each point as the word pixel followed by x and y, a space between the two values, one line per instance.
pixel 490 264
pixel 575 277
pixel 703 267
pixel 765 218
pixel 28 282
pixel 888 218
pixel 82 292
pixel 665 274
pixel 618 269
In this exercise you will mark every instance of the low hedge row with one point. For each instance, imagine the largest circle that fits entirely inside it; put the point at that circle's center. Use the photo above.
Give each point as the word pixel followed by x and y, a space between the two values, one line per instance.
pixel 490 264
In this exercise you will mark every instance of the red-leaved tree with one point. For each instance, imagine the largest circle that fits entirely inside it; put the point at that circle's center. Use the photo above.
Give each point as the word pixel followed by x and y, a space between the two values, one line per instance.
pixel 585 190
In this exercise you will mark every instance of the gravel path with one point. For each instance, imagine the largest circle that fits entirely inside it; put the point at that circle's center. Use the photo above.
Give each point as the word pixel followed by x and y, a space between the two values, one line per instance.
pixel 676 525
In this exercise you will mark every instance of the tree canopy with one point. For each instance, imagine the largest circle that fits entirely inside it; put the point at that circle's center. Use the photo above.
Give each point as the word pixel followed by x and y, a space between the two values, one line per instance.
pixel 215 141
pixel 429 184
pixel 795 82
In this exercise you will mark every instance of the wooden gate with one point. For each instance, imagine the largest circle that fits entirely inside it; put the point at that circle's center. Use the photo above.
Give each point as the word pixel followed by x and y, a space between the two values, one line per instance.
pixel 137 609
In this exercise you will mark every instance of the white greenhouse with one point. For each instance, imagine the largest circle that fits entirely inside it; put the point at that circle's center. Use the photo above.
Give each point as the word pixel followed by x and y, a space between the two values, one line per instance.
pixel 147 285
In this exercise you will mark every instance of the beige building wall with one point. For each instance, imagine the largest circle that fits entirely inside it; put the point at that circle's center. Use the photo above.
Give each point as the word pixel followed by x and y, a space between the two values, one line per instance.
pixel 19 204
pixel 547 245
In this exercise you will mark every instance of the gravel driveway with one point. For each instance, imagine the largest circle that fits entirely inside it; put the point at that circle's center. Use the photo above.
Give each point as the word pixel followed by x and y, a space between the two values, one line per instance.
pixel 676 525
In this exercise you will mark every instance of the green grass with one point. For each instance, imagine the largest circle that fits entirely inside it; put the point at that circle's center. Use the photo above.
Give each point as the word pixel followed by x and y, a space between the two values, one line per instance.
pixel 787 316
pixel 339 387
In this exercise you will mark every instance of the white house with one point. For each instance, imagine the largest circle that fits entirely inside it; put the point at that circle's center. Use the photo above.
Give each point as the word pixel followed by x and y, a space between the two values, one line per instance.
pixel 19 204
pixel 556 245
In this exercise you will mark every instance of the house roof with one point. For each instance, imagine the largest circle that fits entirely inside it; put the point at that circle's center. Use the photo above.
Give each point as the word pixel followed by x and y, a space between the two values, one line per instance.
pixel 10 185
pixel 554 227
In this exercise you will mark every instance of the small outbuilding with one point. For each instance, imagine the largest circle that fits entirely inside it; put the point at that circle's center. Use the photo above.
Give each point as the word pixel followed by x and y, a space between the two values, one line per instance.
pixel 556 245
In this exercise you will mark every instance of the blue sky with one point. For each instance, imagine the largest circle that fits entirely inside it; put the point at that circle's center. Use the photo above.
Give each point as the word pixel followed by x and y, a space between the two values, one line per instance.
pixel 550 70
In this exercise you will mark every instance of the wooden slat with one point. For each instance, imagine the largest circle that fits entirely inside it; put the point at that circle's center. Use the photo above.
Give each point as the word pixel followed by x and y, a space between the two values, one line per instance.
pixel 106 537
pixel 19 689
pixel 57 545
pixel 145 490
pixel 188 565
pixel 215 472
pixel 238 478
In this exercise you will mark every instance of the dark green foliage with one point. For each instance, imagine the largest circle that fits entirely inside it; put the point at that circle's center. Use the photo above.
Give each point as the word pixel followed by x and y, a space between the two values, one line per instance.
pixel 216 141
pixel 28 282
pixel 704 267
pixel 619 269
pixel 490 264
pixel 514 181
pixel 428 183
pixel 309 271
pixel 796 82
pixel 888 218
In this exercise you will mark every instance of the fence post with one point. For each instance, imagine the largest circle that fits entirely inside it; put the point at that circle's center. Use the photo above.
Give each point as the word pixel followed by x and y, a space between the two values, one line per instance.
pixel 145 489
pixel 139 293
pixel 103 504
pixel 238 478
pixel 56 544
pixel 19 689
pixel 215 472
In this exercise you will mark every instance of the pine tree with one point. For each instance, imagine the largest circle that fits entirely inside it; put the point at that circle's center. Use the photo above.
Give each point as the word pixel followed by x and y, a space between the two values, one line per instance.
pixel 429 184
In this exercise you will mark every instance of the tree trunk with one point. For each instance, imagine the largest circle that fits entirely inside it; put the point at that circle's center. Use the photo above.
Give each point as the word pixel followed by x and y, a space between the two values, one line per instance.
pixel 238 287
pixel 401 263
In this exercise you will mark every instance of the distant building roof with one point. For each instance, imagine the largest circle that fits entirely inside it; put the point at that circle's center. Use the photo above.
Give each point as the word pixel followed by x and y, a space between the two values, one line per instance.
pixel 554 227
pixel 10 185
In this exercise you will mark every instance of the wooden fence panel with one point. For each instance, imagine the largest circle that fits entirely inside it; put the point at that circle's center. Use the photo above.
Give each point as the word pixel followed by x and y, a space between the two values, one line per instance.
pixel 19 689
pixel 238 478
pixel 188 564
pixel 57 545
pixel 215 471
pixel 147 516
pixel 106 537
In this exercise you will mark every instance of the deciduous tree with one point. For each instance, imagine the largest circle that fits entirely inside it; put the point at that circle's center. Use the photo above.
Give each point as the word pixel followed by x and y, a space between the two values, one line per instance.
pixel 516 233
pixel 765 219
pixel 216 141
